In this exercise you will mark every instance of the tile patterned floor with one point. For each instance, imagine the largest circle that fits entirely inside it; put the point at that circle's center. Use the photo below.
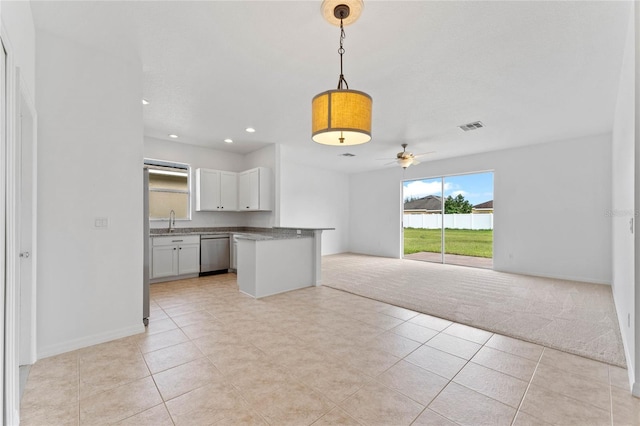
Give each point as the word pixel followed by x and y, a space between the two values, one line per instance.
pixel 212 355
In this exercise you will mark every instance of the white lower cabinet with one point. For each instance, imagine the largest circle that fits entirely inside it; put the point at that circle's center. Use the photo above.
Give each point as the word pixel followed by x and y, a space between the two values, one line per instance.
pixel 164 261
pixel 189 259
pixel 173 256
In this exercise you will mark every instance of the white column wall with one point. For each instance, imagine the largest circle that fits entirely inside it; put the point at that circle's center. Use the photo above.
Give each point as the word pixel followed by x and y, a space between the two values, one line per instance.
pixel 90 152
pixel 565 186
pixel 622 202
pixel 312 197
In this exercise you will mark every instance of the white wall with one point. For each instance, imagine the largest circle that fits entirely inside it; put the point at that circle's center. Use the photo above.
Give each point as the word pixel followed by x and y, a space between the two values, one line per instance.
pixel 566 183
pixel 314 198
pixel 622 201
pixel 197 157
pixel 90 153
pixel 375 212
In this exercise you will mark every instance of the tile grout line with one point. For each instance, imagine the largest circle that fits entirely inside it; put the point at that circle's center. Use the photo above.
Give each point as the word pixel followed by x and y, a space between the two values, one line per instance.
pixel 610 395
pixel 78 383
pixel 528 385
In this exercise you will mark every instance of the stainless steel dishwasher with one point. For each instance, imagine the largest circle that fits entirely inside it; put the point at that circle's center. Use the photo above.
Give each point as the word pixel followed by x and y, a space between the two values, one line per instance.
pixel 214 253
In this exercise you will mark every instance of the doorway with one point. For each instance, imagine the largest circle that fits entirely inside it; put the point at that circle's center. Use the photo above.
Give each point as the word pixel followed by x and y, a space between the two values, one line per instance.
pixel 449 219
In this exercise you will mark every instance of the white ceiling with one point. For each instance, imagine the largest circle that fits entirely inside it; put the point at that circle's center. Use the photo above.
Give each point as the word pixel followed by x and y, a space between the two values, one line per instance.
pixel 532 72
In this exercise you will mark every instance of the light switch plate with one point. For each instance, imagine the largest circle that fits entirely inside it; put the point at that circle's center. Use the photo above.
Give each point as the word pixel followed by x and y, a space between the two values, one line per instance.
pixel 101 223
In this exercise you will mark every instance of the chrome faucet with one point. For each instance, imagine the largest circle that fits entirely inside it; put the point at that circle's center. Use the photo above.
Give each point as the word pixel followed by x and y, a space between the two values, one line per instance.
pixel 172 221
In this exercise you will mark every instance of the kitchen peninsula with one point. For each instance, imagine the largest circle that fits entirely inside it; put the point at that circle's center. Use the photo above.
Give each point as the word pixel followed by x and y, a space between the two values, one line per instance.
pixel 267 260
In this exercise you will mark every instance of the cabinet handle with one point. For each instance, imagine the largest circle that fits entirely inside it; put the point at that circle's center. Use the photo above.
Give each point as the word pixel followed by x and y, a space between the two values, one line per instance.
pixel 177 241
pixel 247 206
pixel 174 248
pixel 180 248
pixel 222 207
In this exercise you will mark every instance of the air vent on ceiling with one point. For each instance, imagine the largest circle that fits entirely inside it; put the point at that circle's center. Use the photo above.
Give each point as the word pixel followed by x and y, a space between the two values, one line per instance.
pixel 347 154
pixel 472 126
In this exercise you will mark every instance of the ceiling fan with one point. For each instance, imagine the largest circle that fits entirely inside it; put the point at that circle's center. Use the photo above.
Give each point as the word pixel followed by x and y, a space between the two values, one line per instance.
pixel 406 159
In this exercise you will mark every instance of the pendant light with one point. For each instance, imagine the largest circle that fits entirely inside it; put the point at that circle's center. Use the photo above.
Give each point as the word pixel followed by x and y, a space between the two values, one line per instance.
pixel 341 117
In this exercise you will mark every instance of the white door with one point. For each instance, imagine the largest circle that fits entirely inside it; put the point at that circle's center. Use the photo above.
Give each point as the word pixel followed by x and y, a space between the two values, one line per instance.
pixel 3 217
pixel 26 217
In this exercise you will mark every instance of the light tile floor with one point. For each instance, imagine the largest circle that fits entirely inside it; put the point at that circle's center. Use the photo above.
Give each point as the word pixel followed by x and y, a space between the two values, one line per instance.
pixel 212 355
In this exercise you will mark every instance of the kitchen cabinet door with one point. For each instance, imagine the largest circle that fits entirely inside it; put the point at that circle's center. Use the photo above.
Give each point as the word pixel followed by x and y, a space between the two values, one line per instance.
pixel 188 259
pixel 248 189
pixel 164 261
pixel 254 189
pixel 229 191
pixel 208 190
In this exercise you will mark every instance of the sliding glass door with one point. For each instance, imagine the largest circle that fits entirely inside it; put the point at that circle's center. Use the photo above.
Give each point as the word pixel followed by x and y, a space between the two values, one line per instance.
pixel 450 219
pixel 423 220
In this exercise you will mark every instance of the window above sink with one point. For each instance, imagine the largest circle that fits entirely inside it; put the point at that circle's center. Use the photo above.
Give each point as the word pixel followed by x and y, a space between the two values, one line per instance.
pixel 169 189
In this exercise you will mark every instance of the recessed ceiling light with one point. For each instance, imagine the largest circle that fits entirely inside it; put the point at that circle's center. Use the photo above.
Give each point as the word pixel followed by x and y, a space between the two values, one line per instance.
pixel 145 102
pixel 250 129
pixel 173 136
pixel 228 140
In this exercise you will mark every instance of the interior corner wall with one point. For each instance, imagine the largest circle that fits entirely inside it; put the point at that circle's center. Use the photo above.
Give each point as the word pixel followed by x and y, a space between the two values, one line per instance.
pixel 550 204
pixel 314 198
pixel 623 209
pixel 90 152
pixel 197 157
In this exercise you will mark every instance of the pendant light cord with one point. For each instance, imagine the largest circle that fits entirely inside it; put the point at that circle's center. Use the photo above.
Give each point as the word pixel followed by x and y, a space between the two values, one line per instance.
pixel 342 80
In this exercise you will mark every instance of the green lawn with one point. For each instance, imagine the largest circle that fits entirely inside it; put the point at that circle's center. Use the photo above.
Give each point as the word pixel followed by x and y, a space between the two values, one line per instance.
pixel 466 242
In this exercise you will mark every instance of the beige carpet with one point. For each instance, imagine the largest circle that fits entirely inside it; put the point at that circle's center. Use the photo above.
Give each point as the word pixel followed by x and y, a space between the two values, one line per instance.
pixel 571 316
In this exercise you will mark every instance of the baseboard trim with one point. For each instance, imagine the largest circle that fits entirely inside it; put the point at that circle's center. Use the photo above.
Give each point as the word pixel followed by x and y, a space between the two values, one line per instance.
pixel 554 277
pixel 95 339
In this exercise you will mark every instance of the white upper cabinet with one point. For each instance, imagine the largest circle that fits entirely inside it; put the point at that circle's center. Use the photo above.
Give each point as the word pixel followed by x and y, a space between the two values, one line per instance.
pixel 216 190
pixel 229 190
pixel 255 189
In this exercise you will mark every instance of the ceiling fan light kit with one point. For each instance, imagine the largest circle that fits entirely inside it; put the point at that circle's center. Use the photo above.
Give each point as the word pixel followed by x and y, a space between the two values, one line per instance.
pixel 406 159
pixel 341 117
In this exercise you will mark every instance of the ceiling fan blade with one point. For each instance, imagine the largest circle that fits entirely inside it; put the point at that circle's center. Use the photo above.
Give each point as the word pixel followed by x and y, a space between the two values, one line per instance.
pixel 424 153
pixel 390 163
pixel 415 162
